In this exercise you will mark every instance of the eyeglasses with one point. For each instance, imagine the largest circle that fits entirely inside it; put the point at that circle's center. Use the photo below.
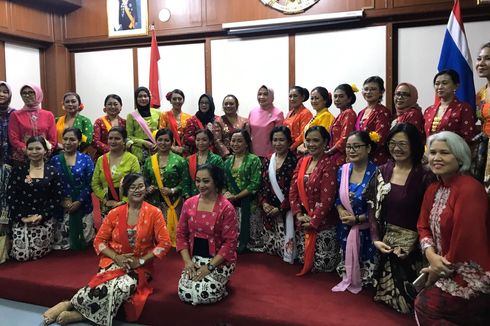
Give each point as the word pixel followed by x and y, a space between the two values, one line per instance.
pixel 401 144
pixel 137 188
pixel 402 94
pixel 354 147
pixel 28 93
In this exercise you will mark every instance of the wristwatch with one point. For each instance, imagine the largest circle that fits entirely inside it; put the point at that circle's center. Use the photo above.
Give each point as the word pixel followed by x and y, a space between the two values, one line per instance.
pixel 211 267
pixel 141 261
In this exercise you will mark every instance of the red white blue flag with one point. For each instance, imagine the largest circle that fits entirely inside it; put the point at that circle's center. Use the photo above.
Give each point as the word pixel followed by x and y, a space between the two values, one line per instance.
pixel 456 55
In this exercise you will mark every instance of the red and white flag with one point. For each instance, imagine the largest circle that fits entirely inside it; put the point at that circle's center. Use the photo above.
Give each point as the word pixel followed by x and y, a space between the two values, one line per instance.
pixel 154 76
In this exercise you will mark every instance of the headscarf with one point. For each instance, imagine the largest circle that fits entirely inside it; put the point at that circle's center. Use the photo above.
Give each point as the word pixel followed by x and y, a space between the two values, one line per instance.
pixel 6 104
pixel 411 101
pixel 208 116
pixel 144 111
pixel 38 97
pixel 270 98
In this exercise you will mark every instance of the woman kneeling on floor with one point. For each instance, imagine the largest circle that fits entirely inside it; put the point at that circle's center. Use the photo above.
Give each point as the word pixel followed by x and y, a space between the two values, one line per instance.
pixel 129 238
pixel 207 238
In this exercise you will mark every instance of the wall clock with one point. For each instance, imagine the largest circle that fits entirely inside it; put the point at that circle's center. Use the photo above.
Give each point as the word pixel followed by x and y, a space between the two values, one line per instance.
pixel 290 6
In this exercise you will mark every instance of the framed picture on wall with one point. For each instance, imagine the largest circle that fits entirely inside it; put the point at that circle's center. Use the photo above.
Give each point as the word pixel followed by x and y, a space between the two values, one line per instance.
pixel 127 17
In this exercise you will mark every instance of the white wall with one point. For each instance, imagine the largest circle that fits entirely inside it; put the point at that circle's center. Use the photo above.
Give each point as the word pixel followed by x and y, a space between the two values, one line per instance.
pixel 100 73
pixel 180 66
pixel 348 56
pixel 241 66
pixel 419 49
pixel 22 67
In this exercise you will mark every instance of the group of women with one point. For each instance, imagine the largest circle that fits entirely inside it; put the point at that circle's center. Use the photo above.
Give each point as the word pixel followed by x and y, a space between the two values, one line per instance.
pixel 347 193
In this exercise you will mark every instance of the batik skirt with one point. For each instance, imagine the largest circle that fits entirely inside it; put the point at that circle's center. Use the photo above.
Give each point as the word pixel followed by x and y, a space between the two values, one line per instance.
pixel 62 231
pixel 31 242
pixel 326 250
pixel 211 289
pixel 101 303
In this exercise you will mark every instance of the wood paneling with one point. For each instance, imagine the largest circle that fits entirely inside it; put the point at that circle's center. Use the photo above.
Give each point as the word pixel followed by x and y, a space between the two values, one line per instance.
pixel 59 6
pixel 56 69
pixel 227 11
pixel 31 22
pixel 207 64
pixel 410 3
pixel 87 22
pixel 3 72
pixel 292 60
pixel 4 15
pixel 183 14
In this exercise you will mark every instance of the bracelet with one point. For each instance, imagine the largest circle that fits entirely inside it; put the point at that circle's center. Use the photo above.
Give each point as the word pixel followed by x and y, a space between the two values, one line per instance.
pixel 358 220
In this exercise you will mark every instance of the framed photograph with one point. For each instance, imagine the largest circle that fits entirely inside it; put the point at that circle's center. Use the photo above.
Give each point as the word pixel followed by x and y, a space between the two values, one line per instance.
pixel 127 17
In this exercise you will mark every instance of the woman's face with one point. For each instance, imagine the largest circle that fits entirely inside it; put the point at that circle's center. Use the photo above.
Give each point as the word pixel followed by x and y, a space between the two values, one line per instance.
pixel 4 94
pixel 442 161
pixel 263 96
pixel 238 144
pixel 205 183
pixel 116 141
pixel 70 142
pixel 35 151
pixel 143 99
pixel 202 142
pixel 371 92
pixel 164 143
pixel 229 105
pixel 137 190
pixel 402 97
pixel 280 143
pixel 340 99
pixel 356 150
pixel 204 104
pixel 28 96
pixel 315 144
pixel 483 63
pixel 112 107
pixel 317 101
pixel 71 104
pixel 445 87
pixel 295 99
pixel 177 101
pixel 399 147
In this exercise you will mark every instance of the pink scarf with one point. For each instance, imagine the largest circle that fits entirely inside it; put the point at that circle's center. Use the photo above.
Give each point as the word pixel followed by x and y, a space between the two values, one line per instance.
pixel 412 100
pixel 352 278
pixel 38 97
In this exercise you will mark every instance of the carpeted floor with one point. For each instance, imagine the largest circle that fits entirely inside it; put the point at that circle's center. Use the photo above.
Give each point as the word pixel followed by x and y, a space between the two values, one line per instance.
pixel 263 291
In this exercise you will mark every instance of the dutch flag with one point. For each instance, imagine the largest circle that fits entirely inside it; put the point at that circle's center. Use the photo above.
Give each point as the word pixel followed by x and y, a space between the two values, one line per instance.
pixel 456 55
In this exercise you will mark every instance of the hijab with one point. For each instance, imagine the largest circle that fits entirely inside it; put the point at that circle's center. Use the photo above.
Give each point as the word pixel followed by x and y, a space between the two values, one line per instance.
pixel 208 116
pixel 38 97
pixel 270 97
pixel 144 111
pixel 7 103
pixel 412 100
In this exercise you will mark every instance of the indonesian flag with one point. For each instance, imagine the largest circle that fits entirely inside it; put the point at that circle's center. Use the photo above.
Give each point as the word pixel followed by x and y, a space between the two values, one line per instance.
pixel 154 78
pixel 456 55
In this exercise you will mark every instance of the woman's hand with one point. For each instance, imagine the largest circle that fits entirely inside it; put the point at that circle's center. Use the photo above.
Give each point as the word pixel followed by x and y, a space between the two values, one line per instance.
pixel 270 210
pixel 111 203
pixel 74 206
pixel 304 220
pixel 400 253
pixel 166 191
pixel 190 269
pixel 331 151
pixel 201 273
pixel 124 260
pixel 382 247
pixel 149 145
pixel 33 219
pixel 439 264
pixel 302 149
pixel 177 149
pixel 348 219
pixel 228 195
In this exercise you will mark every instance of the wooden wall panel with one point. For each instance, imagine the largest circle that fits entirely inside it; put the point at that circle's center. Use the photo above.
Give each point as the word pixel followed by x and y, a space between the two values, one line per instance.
pixel 184 14
pixel 409 3
pixel 226 11
pixel 31 22
pixel 4 15
pixel 87 22
pixel 3 72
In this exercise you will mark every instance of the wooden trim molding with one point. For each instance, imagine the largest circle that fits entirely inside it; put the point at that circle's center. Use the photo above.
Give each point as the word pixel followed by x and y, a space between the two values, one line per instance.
pixel 390 63
pixel 292 60
pixel 207 66
pixel 3 63
pixel 135 69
